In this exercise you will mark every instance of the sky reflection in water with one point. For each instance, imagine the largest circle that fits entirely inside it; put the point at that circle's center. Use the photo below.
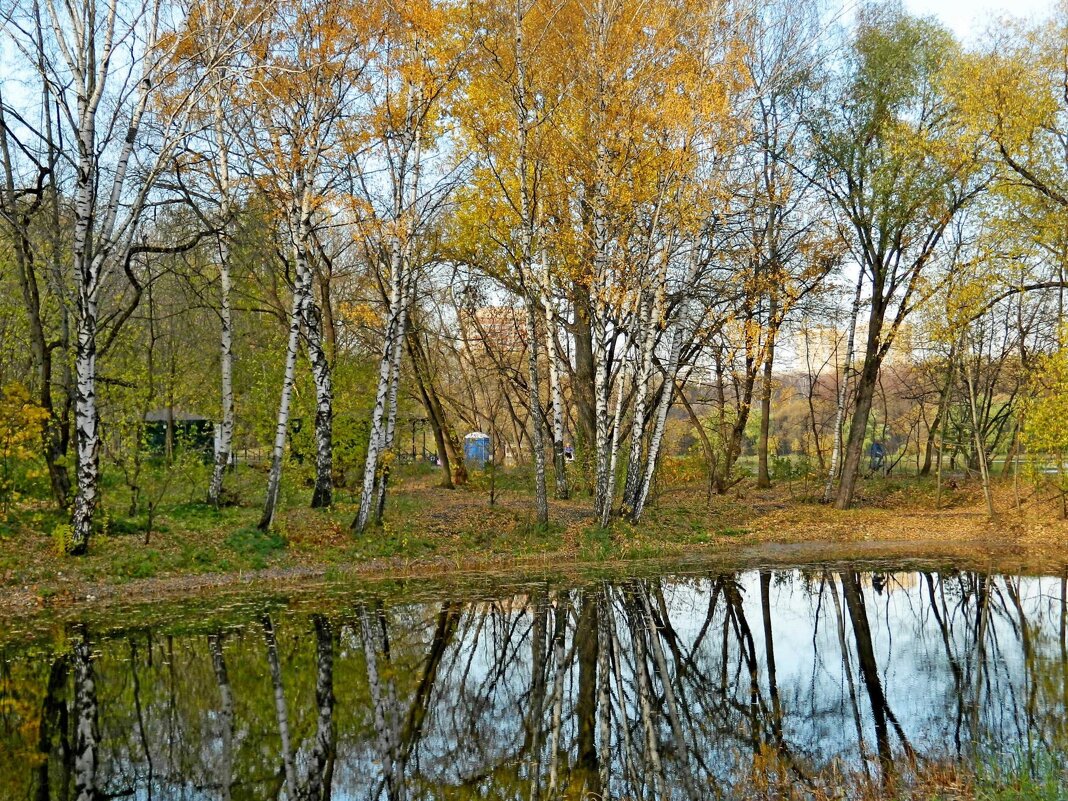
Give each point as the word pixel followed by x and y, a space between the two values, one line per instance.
pixel 677 687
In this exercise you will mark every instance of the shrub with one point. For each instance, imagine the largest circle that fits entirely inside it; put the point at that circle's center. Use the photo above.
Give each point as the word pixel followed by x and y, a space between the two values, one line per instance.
pixel 21 424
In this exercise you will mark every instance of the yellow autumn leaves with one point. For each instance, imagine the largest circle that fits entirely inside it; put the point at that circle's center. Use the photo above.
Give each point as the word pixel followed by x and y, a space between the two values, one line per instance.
pixel 21 424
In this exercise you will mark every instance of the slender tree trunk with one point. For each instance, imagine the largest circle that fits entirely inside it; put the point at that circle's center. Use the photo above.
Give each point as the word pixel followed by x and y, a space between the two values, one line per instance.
pixel 311 320
pixel 980 446
pixel 601 390
pixel 281 709
pixel 843 391
pixel 226 716
pixel 86 732
pixel 224 444
pixel 541 496
pixel 391 416
pixel 274 478
pixel 53 446
pixel 929 446
pixel 377 431
pixel 763 476
pixel 383 417
pixel 734 436
pixel 583 384
pixel 557 397
pixel 635 466
pixel 613 459
pixel 666 393
pixel 940 413
pixel 321 761
pixel 87 276
pixel 86 419
pixel 449 450
pixel 854 450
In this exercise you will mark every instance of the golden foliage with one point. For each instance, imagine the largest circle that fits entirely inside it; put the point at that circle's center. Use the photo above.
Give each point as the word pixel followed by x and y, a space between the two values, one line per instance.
pixel 21 424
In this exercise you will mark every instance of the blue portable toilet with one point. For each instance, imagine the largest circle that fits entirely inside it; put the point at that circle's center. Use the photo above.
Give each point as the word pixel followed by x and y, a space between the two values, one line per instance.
pixel 477 449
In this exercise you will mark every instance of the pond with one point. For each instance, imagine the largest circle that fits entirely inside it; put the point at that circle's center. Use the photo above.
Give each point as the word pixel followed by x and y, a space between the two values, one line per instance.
pixel 705 684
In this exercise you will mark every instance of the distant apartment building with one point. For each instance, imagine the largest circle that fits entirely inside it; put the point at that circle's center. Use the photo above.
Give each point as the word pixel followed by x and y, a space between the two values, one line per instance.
pixel 498 329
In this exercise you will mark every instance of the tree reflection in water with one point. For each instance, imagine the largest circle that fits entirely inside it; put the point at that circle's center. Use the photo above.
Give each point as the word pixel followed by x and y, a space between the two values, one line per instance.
pixel 678 687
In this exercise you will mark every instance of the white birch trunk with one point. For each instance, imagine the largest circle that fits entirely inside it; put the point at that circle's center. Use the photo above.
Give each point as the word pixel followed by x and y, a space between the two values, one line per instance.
pixel 843 388
pixel 385 733
pixel 378 414
pixel 662 409
pixel 383 416
pixel 87 276
pixel 224 443
pixel 226 716
pixel 274 478
pixel 391 405
pixel 320 763
pixel 82 60
pixel 407 276
pixel 87 437
pixel 281 710
pixel 647 325
pixel 556 394
pixel 617 422
pixel 682 329
pixel 86 735
pixel 541 496
pixel 311 322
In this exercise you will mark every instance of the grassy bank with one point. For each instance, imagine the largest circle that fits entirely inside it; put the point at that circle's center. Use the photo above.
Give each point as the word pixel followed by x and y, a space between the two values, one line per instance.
pixel 429 529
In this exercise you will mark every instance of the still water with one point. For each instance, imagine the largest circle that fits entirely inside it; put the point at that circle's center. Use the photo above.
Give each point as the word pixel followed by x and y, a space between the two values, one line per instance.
pixel 689 686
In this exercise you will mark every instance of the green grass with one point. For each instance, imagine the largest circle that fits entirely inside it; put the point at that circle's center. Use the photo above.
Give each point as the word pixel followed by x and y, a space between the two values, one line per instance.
pixel 255 545
pixel 1019 776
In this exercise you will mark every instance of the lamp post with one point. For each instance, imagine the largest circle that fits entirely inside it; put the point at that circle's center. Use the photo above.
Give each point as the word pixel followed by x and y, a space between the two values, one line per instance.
pixel 421 421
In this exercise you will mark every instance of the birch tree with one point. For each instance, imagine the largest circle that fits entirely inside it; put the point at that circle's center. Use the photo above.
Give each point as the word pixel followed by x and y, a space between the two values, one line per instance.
pixel 311 58
pixel 221 32
pixel 412 83
pixel 104 67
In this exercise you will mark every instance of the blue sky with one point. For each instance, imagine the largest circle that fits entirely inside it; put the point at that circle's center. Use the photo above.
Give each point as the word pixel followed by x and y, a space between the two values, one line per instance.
pixel 970 18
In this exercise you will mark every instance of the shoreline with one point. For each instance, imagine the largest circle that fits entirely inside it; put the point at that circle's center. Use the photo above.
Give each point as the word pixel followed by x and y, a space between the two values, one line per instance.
pixel 980 555
pixel 451 537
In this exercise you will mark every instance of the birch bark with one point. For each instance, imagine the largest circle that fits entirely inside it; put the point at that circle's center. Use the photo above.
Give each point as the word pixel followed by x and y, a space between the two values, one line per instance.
pixel 281 710
pixel 107 204
pixel 274 477
pixel 383 416
pixel 224 443
pixel 86 734
pixel 310 319
pixel 226 716
pixel 556 392
pixel 648 320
